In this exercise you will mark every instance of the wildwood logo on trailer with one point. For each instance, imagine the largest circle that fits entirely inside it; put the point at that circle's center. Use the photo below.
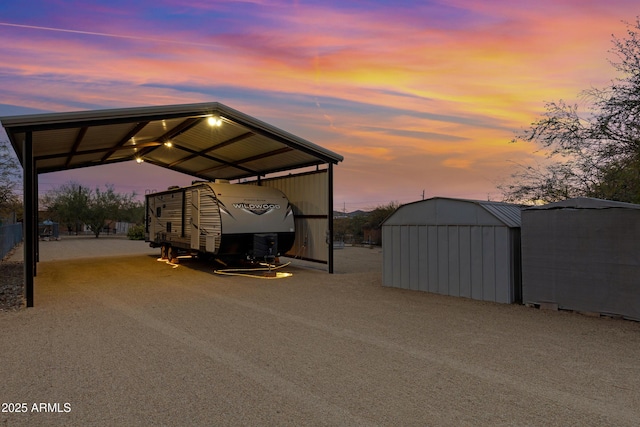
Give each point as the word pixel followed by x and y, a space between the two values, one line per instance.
pixel 256 208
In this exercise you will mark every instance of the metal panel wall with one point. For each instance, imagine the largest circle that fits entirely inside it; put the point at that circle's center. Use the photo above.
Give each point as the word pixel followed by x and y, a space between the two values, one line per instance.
pixel 390 250
pixel 458 260
pixel 582 259
pixel 308 193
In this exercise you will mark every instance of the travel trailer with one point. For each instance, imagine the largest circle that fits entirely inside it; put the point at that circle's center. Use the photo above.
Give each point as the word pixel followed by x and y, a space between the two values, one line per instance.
pixel 219 219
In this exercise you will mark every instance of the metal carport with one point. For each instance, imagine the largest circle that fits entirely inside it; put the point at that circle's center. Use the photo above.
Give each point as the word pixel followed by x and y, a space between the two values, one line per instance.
pixel 206 140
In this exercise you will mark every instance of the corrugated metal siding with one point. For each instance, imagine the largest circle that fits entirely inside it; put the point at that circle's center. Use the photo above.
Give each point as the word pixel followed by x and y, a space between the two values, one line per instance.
pixel 105 130
pixel 310 242
pixel 508 214
pixel 445 211
pixel 154 128
pixel 467 261
pixel 582 259
pixel 56 140
pixel 308 195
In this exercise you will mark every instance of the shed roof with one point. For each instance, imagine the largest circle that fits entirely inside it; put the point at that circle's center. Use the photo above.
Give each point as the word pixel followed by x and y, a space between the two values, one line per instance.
pixel 449 211
pixel 585 203
pixel 206 140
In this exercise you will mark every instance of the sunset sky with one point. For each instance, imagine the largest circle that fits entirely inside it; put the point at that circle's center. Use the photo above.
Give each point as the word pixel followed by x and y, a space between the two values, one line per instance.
pixel 416 95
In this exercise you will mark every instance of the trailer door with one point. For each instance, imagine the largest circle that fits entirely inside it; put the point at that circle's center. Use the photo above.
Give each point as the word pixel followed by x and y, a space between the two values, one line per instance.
pixel 149 223
pixel 195 219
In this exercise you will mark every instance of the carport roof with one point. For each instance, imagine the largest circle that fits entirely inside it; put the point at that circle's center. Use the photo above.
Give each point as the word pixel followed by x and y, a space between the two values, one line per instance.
pixel 206 140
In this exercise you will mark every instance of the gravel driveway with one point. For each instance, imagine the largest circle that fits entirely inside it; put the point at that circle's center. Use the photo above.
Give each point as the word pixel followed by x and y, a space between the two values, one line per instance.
pixel 128 340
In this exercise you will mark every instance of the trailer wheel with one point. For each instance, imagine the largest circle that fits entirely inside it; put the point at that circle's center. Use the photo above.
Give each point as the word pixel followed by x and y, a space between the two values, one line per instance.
pixel 173 254
pixel 164 251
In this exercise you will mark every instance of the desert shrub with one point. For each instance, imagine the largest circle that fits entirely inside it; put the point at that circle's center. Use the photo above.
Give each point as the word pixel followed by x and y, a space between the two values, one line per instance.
pixel 136 232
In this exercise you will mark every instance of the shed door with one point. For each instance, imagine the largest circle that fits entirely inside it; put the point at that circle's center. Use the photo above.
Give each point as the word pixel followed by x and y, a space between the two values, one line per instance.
pixel 195 219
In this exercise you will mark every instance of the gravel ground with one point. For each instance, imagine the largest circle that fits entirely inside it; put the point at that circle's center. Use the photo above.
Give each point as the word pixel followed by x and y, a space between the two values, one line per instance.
pixel 12 285
pixel 69 247
pixel 128 340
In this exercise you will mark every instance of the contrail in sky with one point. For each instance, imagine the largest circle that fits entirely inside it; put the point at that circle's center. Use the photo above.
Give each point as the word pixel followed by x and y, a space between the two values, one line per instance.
pixel 93 33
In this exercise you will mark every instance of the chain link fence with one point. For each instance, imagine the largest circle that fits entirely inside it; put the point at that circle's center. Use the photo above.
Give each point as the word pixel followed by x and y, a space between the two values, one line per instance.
pixel 10 236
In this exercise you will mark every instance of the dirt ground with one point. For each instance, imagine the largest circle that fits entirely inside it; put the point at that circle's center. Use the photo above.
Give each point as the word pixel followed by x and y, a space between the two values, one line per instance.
pixel 119 338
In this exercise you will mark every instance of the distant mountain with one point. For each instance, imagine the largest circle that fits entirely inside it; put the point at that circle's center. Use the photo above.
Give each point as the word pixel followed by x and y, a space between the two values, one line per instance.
pixel 338 214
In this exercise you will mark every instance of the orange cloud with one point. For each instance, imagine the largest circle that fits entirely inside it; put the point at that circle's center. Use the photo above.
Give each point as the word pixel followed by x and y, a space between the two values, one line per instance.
pixel 421 94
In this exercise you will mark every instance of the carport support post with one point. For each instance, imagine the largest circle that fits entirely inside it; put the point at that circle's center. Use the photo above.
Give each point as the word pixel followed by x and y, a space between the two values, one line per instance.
pixel 330 217
pixel 36 227
pixel 29 217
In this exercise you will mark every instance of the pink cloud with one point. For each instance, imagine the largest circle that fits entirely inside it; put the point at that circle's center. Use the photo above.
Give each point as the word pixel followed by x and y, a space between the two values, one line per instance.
pixel 455 92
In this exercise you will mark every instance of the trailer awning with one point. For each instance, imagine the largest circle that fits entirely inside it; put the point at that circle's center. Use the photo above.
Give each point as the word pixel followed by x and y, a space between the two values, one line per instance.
pixel 208 141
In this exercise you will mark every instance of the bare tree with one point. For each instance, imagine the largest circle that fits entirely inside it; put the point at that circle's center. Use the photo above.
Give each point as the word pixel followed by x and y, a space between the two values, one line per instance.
pixel 10 173
pixel 593 154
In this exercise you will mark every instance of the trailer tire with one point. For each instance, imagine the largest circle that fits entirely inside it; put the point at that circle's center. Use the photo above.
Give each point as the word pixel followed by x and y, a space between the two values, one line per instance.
pixel 164 251
pixel 172 254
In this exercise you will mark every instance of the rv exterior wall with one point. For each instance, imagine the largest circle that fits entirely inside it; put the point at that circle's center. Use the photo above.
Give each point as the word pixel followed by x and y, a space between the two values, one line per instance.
pixel 218 218
pixel 165 218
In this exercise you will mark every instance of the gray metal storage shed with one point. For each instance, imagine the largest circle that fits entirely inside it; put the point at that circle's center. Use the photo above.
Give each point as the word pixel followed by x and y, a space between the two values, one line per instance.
pixel 465 248
pixel 584 255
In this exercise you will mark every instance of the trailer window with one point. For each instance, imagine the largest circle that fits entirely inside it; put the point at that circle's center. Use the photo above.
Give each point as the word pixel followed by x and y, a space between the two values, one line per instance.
pixel 168 227
pixel 158 212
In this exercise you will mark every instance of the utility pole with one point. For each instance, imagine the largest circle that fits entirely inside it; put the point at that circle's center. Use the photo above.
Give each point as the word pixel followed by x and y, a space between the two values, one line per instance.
pixel 422 194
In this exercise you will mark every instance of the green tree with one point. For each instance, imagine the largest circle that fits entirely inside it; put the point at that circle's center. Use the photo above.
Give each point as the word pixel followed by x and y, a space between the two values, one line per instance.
pixel 340 229
pixel 75 205
pixel 621 181
pixel 592 154
pixel 379 214
pixel 10 174
pixel 356 227
pixel 352 228
pixel 132 211
pixel 372 227
pixel 103 205
pixel 68 204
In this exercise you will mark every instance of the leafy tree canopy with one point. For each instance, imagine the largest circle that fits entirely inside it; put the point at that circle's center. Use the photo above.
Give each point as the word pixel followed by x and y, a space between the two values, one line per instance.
pixel 352 228
pixel 74 205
